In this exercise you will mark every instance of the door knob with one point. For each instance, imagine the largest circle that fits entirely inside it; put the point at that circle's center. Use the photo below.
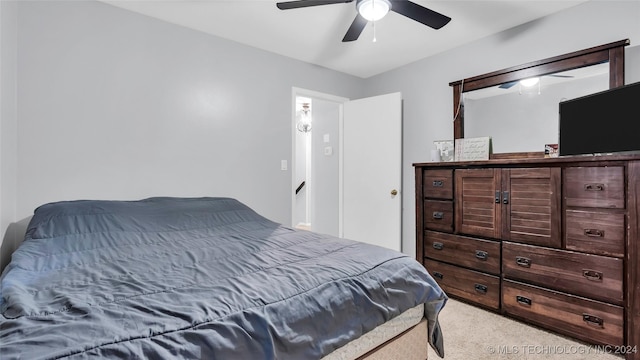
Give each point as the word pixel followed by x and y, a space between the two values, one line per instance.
pixel 394 192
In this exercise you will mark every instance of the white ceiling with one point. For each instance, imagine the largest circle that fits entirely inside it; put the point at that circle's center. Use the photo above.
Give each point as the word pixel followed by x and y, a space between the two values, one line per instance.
pixel 314 34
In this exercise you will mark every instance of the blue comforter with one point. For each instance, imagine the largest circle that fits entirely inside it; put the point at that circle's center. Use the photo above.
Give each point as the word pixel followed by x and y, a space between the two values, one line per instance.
pixel 204 278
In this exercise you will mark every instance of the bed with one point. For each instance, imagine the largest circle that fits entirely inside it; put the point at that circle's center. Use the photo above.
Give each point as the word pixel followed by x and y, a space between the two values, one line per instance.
pixel 202 278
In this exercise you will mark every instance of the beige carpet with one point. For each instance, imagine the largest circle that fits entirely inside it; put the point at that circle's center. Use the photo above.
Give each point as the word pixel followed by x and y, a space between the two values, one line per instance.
pixel 471 333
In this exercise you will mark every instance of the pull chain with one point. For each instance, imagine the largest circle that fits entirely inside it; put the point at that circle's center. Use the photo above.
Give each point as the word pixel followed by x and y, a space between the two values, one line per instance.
pixel 374 32
pixel 373 6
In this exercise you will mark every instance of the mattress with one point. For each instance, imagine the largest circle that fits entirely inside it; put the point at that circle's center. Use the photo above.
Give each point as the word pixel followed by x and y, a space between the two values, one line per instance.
pixel 197 278
pixel 378 336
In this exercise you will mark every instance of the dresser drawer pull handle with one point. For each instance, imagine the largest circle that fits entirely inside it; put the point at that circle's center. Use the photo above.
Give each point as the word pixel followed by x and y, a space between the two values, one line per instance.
pixel 482 255
pixel 505 197
pixel 593 320
pixel 592 275
pixel 438 215
pixel 523 300
pixel 594 187
pixel 439 275
pixel 438 245
pixel 594 232
pixel 481 288
pixel 438 183
pixel 523 261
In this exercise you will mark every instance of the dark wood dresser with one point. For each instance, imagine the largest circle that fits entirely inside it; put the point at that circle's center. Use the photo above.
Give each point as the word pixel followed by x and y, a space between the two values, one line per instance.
pixel 553 242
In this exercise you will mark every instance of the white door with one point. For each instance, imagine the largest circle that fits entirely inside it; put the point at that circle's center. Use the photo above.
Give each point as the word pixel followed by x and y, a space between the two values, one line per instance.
pixel 372 170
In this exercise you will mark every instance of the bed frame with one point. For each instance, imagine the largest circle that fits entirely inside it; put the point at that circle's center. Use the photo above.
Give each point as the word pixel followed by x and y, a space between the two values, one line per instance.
pixel 410 345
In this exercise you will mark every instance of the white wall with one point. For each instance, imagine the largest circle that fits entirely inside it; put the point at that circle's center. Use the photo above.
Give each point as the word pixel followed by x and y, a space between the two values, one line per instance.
pixel 303 140
pixel 428 99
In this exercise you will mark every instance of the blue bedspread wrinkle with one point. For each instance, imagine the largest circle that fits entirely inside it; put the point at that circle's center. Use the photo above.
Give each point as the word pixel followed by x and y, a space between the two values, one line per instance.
pixel 196 278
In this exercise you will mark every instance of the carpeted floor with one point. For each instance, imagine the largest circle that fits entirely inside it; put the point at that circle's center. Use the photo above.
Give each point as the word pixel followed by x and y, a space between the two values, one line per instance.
pixel 471 333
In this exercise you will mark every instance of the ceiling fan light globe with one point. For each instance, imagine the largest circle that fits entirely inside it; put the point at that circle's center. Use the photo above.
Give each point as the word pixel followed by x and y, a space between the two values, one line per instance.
pixel 373 10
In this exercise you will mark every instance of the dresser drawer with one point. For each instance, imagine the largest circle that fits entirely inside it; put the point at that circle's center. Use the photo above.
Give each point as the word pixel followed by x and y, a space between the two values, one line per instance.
pixel 595 232
pixel 594 187
pixel 593 276
pixel 589 320
pixel 470 285
pixel 481 255
pixel 438 215
pixel 438 184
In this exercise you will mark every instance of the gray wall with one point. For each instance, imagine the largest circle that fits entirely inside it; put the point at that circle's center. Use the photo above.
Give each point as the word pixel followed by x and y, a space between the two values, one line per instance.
pixel 8 130
pixel 325 168
pixel 117 105
pixel 428 99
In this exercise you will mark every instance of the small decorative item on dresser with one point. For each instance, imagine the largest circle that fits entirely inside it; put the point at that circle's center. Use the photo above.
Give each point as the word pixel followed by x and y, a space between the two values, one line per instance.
pixel 445 148
pixel 469 149
pixel 435 155
pixel 551 150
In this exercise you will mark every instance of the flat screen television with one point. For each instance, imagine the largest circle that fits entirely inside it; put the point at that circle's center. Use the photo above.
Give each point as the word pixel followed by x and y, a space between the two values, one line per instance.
pixel 601 123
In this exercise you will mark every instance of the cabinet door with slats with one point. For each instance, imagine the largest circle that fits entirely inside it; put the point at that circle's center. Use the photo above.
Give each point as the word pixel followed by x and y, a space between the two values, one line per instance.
pixel 477 202
pixel 531 204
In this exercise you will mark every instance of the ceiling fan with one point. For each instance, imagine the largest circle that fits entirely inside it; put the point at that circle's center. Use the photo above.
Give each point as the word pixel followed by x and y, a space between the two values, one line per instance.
pixel 374 10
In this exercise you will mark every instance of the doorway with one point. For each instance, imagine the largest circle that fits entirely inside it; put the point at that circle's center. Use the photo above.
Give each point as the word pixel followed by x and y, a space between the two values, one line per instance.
pixel 347 166
pixel 316 165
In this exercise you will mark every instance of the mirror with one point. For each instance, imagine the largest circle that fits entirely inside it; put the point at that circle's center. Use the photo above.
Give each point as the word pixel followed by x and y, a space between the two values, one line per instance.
pixel 521 119
pixel 521 116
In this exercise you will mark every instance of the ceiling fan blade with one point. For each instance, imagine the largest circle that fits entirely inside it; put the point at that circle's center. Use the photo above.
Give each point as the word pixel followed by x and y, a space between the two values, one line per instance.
pixel 355 29
pixel 507 85
pixel 561 76
pixel 306 3
pixel 419 13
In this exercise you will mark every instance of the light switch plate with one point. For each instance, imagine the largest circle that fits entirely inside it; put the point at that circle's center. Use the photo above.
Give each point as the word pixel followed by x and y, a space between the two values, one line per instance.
pixel 283 165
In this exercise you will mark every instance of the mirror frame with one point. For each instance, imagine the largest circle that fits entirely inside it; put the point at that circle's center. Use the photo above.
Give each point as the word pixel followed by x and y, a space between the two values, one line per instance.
pixel 611 52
